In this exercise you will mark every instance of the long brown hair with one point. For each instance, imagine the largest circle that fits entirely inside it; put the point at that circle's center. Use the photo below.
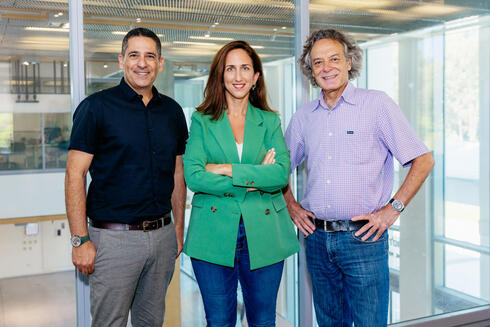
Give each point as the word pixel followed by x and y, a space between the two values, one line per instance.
pixel 214 93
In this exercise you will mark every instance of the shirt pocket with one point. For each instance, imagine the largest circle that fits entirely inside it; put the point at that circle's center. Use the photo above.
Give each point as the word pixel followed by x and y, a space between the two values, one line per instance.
pixel 356 147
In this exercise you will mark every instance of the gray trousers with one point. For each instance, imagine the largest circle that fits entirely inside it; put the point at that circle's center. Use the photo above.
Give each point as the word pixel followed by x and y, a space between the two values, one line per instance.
pixel 132 272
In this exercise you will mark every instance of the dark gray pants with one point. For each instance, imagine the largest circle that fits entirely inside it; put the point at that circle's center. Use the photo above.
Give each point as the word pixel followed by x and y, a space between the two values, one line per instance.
pixel 132 272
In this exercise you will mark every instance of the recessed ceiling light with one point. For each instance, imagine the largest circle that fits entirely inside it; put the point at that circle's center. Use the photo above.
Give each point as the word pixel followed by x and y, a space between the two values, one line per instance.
pixel 105 66
pixel 138 20
pixel 193 43
pixel 46 29
pixel 211 38
pixel 284 27
pixel 275 29
pixel 25 63
pixel 60 14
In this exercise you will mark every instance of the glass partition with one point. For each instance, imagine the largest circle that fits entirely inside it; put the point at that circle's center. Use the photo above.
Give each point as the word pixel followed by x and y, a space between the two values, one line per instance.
pixel 191 33
pixel 413 52
pixel 36 275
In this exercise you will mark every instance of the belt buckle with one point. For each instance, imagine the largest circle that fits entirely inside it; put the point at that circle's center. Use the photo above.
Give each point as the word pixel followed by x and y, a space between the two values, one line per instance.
pixel 146 224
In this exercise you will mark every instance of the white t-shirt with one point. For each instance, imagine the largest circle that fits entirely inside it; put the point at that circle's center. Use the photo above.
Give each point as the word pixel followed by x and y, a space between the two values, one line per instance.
pixel 239 147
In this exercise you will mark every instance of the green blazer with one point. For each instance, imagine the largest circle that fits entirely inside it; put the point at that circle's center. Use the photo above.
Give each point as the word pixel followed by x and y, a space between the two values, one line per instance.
pixel 219 201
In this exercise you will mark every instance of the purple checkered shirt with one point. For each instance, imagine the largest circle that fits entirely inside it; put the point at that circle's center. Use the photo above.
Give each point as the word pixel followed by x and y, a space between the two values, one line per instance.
pixel 349 151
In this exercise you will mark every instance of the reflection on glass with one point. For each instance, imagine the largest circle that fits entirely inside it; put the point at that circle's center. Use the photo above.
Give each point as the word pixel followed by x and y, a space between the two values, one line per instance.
pixel 459 263
pixel 34 90
pixel 438 87
pixel 190 38
pixel 462 155
pixel 36 274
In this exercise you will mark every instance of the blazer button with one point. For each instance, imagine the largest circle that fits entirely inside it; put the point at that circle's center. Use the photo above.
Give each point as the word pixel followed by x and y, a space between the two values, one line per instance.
pixel 226 194
pixel 231 195
pixel 213 209
pixel 267 211
pixel 252 183
pixel 246 182
pixel 261 192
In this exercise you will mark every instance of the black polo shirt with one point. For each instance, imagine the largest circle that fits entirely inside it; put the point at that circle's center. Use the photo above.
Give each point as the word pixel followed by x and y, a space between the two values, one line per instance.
pixel 134 150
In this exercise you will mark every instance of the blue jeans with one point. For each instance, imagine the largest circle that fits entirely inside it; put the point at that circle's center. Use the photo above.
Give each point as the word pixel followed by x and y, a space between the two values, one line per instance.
pixel 218 285
pixel 344 268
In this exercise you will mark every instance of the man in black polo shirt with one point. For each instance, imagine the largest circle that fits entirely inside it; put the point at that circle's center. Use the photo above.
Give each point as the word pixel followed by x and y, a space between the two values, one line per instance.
pixel 131 139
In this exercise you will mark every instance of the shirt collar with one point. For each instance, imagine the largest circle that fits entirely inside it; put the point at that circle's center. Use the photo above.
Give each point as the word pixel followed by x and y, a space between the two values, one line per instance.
pixel 347 96
pixel 131 94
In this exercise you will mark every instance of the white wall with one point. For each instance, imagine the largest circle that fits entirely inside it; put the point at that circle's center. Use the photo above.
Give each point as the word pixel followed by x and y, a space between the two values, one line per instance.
pixel 47 103
pixel 25 195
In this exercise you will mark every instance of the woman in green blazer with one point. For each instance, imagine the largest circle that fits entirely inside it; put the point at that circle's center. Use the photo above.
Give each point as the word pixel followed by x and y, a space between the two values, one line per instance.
pixel 236 162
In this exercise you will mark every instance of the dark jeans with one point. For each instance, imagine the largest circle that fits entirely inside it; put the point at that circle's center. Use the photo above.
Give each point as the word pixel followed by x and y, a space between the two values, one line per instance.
pixel 218 285
pixel 344 268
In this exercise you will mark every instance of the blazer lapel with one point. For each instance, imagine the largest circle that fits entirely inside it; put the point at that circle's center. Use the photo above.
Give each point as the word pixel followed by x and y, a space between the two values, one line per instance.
pixel 253 138
pixel 224 135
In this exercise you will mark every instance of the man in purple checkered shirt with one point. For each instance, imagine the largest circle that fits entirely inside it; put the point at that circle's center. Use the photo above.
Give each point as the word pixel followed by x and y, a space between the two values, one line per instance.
pixel 348 138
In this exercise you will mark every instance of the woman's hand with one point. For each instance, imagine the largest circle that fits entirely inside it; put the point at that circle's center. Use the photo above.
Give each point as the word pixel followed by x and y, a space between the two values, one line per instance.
pixel 269 157
pixel 220 169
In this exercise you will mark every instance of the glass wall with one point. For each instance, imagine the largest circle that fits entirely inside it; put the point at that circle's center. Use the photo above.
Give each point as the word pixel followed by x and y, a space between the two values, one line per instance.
pixel 191 33
pixel 36 274
pixel 413 52
pixel 34 87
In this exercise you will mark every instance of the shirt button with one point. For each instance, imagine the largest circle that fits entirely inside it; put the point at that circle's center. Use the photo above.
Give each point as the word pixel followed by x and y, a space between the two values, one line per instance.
pixel 154 152
pixel 329 157
pixel 330 134
pixel 328 206
pixel 328 181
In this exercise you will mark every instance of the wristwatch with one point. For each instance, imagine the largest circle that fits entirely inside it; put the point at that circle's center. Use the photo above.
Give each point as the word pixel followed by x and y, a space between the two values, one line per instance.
pixel 397 205
pixel 76 240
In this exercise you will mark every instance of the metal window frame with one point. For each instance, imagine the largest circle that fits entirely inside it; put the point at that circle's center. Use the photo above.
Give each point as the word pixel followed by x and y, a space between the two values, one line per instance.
pixel 77 94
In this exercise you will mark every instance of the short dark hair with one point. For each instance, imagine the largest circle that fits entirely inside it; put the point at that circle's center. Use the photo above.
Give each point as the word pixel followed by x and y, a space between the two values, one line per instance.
pixel 141 31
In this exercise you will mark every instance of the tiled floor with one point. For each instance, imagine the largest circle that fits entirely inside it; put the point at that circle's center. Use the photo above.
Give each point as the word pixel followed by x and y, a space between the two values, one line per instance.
pixel 38 301
pixel 49 301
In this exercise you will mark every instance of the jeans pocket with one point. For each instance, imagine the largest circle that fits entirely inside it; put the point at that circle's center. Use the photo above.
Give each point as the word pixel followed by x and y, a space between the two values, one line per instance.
pixel 370 239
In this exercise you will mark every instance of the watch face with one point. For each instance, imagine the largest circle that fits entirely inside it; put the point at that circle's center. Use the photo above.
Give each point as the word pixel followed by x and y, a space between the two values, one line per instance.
pixel 75 241
pixel 397 205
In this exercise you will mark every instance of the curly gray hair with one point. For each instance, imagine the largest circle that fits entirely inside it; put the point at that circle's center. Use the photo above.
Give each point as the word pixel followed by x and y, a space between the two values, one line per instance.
pixel 351 50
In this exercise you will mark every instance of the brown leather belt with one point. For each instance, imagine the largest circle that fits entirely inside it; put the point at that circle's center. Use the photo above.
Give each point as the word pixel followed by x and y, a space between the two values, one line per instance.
pixel 146 225
pixel 339 225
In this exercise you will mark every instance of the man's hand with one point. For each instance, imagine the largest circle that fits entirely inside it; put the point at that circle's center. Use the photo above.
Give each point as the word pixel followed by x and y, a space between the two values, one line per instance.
pixel 83 257
pixel 301 218
pixel 377 222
